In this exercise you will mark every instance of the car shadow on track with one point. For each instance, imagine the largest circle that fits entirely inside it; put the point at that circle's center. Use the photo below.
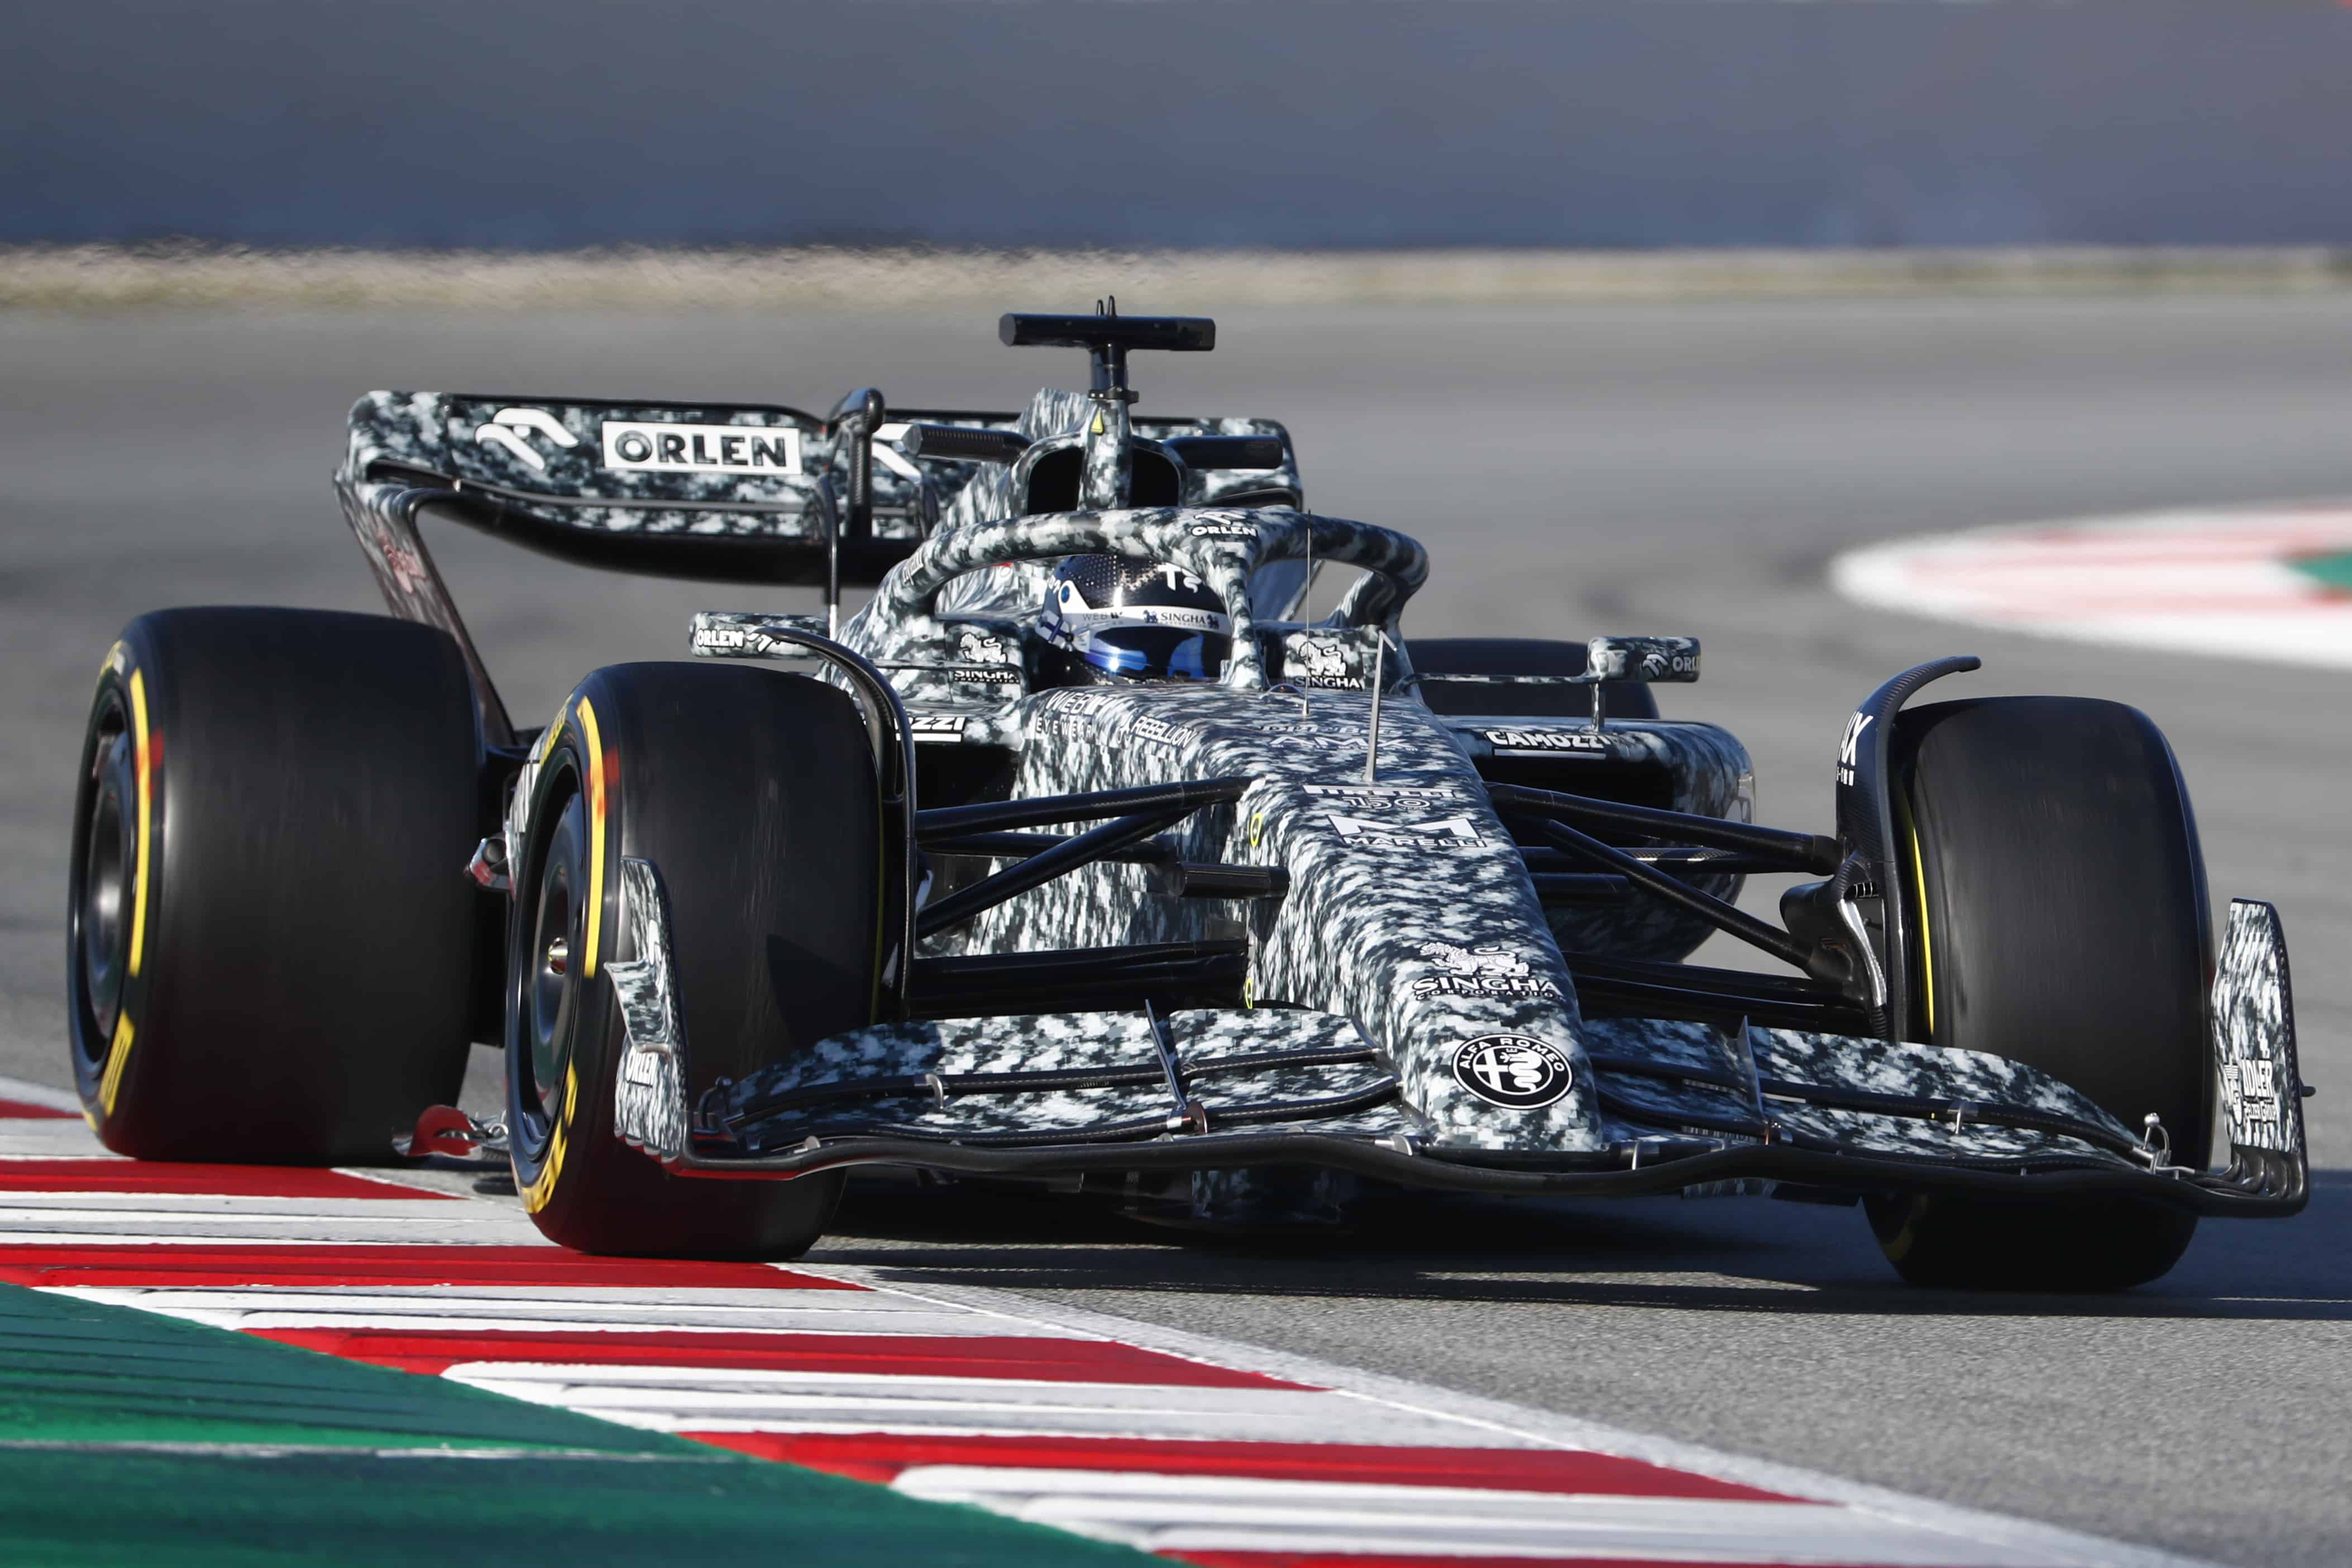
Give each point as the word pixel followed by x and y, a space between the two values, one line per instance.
pixel 1714 1255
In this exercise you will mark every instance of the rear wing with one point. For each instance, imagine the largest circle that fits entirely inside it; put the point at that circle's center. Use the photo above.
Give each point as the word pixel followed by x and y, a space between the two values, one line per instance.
pixel 750 493
pixel 729 493
pixel 745 493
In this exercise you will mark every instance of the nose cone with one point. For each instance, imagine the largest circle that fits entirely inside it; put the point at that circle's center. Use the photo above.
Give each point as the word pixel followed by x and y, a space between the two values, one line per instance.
pixel 1412 911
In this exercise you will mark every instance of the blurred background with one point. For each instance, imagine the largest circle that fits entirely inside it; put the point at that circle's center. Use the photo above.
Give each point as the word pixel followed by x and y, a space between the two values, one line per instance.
pixel 1285 123
pixel 1641 313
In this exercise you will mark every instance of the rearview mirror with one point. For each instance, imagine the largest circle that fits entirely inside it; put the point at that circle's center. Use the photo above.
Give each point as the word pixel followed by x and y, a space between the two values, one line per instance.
pixel 1659 660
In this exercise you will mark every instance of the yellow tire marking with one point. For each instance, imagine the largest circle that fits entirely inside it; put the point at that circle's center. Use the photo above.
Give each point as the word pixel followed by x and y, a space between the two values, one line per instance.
pixel 1908 1236
pixel 535 1196
pixel 118 1056
pixel 1927 953
pixel 143 761
pixel 595 836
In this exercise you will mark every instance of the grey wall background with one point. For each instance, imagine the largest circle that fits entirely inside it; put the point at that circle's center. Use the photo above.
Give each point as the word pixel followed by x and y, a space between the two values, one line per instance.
pixel 546 123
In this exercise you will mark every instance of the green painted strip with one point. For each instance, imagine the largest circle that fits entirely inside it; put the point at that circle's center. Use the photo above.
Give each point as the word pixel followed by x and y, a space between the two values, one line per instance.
pixel 2336 570
pixel 365 1508
pixel 77 1370
pixel 126 1436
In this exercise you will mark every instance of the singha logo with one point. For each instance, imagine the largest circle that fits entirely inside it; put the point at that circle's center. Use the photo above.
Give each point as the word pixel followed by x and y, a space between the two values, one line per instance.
pixel 1494 961
pixel 1322 663
pixel 1480 972
pixel 974 647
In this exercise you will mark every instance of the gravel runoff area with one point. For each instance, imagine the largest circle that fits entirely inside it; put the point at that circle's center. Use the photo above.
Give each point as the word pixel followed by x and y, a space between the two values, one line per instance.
pixel 1665 466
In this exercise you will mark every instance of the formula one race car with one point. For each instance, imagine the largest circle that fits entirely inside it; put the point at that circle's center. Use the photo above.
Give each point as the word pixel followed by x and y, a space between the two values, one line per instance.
pixel 1083 852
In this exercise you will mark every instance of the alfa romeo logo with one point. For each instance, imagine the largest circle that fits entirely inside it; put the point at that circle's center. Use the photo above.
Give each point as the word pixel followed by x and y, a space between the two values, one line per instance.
pixel 1517 1072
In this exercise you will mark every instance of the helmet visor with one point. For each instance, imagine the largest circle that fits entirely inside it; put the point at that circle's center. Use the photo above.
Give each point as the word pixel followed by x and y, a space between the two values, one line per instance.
pixel 1159 653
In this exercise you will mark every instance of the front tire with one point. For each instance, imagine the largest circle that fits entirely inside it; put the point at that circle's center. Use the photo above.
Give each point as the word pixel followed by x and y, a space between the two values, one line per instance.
pixel 269 928
pixel 2059 899
pixel 752 795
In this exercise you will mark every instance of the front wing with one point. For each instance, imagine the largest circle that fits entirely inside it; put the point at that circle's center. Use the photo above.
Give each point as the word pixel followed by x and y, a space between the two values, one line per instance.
pixel 1689 1106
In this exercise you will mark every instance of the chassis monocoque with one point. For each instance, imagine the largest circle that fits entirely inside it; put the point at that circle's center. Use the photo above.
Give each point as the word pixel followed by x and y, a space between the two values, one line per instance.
pixel 1361 908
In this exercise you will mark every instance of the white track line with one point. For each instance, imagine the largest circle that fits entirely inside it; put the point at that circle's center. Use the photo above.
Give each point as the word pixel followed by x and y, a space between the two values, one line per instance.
pixel 681 1399
pixel 40 1094
pixel 1217 1513
pixel 56 1140
pixel 545 1308
pixel 2214 583
pixel 91 1226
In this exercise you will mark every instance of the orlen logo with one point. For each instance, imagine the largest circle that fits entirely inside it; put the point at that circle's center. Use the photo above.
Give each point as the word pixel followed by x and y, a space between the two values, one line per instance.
pixel 506 428
pixel 646 446
pixel 1656 664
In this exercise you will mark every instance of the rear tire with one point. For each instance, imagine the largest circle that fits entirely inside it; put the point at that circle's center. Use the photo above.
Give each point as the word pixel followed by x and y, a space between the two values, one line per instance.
pixel 752 793
pixel 269 935
pixel 2064 926
pixel 1519 655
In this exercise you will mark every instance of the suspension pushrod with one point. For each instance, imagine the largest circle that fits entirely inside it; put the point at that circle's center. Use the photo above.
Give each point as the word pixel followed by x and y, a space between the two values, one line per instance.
pixel 1736 984
pixel 1688 860
pixel 1012 846
pixel 1044 866
pixel 1042 811
pixel 1724 917
pixel 1788 851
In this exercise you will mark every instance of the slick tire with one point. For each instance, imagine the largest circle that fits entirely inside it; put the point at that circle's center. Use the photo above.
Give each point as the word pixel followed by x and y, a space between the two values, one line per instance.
pixel 2060 908
pixel 269 948
pixel 1519 655
pixel 752 793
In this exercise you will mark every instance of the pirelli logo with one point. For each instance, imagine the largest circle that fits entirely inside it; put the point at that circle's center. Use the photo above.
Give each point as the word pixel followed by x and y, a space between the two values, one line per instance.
pixel 647 446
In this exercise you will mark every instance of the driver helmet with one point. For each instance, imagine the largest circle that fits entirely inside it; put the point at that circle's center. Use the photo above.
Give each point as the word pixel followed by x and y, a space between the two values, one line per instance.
pixel 1139 620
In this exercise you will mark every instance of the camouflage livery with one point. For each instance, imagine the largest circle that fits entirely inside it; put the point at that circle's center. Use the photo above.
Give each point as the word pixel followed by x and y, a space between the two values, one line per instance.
pixel 1409 999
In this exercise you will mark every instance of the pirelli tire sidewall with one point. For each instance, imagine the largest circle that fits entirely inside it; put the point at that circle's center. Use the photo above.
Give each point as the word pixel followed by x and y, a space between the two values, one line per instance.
pixel 103 1032
pixel 646 750
pixel 2057 895
pixel 292 795
pixel 545 1121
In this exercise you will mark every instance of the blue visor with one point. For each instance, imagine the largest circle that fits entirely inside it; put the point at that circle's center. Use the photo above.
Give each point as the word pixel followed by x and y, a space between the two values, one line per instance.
pixel 1159 653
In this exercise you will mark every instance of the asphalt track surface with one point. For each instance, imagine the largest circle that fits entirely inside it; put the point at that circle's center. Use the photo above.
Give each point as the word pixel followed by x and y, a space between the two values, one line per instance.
pixel 1672 468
